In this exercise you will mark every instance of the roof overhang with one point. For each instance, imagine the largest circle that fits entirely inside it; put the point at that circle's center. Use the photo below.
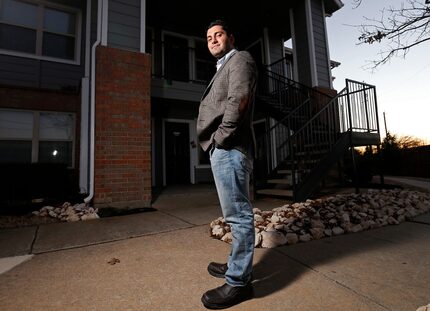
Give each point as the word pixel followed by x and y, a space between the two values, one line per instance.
pixel 332 6
pixel 193 16
pixel 248 20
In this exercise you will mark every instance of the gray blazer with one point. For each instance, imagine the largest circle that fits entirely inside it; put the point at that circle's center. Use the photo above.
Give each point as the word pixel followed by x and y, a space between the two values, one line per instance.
pixel 226 108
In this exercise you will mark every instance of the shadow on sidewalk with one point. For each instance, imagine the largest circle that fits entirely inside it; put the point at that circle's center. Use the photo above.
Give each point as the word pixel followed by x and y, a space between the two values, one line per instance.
pixel 280 267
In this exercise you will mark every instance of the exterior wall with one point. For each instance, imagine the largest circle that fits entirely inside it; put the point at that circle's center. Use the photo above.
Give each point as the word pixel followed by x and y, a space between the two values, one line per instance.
pixel 37 73
pixel 276 49
pixel 124 24
pixel 276 53
pixel 36 99
pixel 123 129
pixel 301 48
pixel 45 100
pixel 310 47
pixel 320 44
pixel 321 99
pixel 20 71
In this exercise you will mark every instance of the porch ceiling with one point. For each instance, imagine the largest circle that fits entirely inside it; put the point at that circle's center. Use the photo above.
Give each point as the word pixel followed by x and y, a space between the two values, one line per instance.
pixel 247 20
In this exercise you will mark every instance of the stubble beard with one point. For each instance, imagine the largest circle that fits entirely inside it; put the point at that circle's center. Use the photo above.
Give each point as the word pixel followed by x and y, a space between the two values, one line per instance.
pixel 220 51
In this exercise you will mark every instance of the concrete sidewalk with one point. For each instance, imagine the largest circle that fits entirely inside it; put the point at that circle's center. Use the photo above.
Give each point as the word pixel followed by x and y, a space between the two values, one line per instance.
pixel 416 183
pixel 157 261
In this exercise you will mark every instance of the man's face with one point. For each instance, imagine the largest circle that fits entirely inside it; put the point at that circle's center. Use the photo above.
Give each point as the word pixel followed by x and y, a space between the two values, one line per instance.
pixel 219 43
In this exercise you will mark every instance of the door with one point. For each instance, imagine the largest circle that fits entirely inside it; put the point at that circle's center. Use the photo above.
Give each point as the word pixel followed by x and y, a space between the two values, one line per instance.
pixel 177 148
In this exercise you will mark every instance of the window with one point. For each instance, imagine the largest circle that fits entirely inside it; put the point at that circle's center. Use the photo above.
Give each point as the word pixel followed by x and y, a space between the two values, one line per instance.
pixel 59 34
pixel 39 30
pixel 56 138
pixel 176 58
pixel 187 59
pixel 32 136
pixel 205 64
pixel 16 135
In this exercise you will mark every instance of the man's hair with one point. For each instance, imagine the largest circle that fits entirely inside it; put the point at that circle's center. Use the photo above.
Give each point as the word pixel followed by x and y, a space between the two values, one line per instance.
pixel 221 23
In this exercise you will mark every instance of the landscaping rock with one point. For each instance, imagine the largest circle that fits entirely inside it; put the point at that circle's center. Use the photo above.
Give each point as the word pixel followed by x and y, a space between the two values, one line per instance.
pixel 336 215
pixel 68 212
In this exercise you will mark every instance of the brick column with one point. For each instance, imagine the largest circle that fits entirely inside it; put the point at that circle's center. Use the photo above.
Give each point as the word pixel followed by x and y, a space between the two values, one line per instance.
pixel 123 129
pixel 321 101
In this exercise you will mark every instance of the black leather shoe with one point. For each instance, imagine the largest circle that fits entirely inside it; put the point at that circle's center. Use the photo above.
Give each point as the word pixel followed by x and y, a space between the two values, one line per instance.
pixel 217 270
pixel 226 296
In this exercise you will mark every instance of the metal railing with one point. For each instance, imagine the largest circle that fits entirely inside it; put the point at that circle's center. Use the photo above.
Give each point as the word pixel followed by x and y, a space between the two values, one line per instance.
pixel 294 104
pixel 281 67
pixel 354 109
pixel 358 108
pixel 280 92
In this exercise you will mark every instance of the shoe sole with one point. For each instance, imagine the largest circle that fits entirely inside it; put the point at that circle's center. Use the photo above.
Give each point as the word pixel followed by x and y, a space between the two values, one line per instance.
pixel 219 307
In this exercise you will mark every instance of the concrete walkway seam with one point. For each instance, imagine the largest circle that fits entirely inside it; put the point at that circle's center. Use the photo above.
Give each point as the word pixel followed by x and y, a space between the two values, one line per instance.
pixel 113 240
pixel 333 280
pixel 34 239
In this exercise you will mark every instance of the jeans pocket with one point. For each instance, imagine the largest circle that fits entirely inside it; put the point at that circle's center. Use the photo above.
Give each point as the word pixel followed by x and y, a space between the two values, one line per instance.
pixel 211 151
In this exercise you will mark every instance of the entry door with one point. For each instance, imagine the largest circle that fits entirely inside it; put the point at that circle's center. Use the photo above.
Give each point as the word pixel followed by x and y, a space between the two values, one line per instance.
pixel 177 138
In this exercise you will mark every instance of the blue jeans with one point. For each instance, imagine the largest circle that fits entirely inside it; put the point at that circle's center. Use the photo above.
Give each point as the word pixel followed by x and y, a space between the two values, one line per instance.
pixel 231 170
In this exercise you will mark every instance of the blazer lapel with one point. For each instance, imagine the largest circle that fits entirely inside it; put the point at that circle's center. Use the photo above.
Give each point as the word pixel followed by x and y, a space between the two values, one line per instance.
pixel 215 75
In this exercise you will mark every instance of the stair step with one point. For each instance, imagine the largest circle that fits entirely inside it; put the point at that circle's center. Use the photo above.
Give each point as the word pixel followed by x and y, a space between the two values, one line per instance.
pixel 300 117
pixel 316 152
pixel 318 145
pixel 284 181
pixel 276 192
pixel 287 169
pixel 305 161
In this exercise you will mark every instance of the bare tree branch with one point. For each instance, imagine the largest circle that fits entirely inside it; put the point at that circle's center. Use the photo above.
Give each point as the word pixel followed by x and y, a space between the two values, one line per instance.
pixel 357 3
pixel 395 51
pixel 399 29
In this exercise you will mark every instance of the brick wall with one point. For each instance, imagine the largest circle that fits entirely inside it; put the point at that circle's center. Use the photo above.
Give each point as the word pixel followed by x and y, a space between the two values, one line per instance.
pixel 123 129
pixel 39 99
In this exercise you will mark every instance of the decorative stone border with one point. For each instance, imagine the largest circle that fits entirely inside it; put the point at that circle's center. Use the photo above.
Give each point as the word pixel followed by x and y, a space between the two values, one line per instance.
pixel 68 212
pixel 336 215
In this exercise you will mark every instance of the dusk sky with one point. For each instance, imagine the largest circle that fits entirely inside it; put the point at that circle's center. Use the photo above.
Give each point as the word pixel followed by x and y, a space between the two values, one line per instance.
pixel 402 85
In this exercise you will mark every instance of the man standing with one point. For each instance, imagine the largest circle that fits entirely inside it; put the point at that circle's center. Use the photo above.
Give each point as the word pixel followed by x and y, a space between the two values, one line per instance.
pixel 224 127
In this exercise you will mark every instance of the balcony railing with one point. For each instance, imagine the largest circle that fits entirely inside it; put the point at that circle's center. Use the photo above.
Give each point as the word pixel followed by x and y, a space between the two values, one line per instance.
pixel 176 61
pixel 358 108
